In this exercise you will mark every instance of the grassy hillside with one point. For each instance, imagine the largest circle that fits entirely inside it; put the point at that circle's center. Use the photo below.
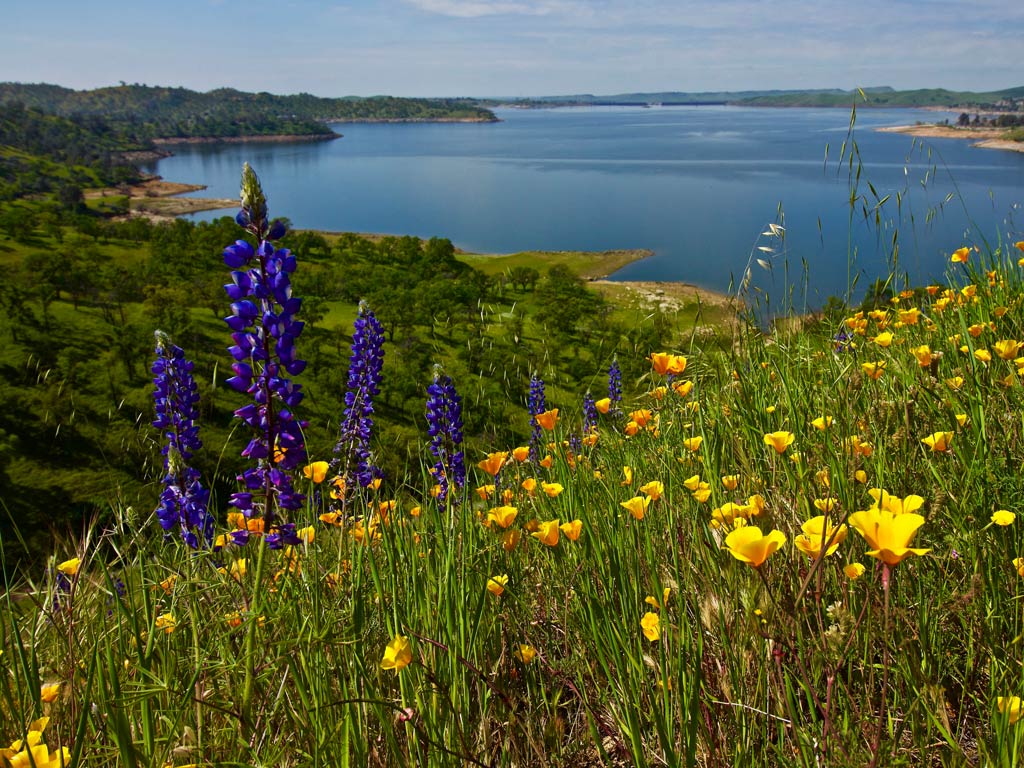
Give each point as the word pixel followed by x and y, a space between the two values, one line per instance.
pixel 794 549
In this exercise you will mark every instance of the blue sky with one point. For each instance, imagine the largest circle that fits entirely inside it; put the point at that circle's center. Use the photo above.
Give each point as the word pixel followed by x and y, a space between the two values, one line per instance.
pixel 513 47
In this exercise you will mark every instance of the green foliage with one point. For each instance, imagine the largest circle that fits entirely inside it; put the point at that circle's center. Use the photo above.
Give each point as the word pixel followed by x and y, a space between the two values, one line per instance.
pixel 79 309
pixel 148 112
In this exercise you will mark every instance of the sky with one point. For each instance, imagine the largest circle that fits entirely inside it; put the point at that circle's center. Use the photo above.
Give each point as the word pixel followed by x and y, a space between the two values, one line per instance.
pixel 514 48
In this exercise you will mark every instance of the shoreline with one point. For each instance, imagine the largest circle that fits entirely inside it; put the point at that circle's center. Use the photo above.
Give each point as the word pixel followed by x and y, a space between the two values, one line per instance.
pixel 986 138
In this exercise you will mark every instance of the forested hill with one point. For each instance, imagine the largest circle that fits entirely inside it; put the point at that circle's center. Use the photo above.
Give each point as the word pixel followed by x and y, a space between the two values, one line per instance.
pixel 151 112
pixel 1008 99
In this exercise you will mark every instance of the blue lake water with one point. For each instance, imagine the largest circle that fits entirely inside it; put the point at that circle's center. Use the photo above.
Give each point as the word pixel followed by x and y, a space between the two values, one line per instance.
pixel 694 184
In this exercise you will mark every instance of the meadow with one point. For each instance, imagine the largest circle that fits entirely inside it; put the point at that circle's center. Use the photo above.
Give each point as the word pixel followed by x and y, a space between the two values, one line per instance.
pixel 799 548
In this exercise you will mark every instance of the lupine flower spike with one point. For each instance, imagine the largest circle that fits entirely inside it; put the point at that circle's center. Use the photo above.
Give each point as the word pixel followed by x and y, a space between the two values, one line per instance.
pixel 183 502
pixel 537 404
pixel 444 420
pixel 264 330
pixel 353 460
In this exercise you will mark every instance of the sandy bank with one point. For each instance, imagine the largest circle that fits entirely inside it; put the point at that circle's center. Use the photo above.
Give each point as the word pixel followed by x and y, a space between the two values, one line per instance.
pixel 990 138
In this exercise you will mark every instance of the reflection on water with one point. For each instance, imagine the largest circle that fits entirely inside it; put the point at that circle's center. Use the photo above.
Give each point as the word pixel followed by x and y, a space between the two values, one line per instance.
pixel 695 184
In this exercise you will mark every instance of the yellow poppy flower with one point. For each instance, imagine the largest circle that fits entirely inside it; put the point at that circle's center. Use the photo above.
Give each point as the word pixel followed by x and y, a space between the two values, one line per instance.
pixel 49 692
pixel 888 535
pixel 496 584
pixel 548 419
pixel 955 383
pixel 819 532
pixel 983 355
pixel 923 355
pixel 70 567
pixel 603 405
pixel 316 471
pixel 853 571
pixel 521 454
pixel 650 624
pixel 627 476
pixel 693 443
pixel 167 622
pixel 1003 517
pixel 502 516
pixel 682 388
pixel 552 489
pixel 510 539
pixel 909 316
pixel 883 339
pixel 529 485
pixel 894 504
pixel 692 483
pixel 938 441
pixel 729 515
pixel 653 601
pixel 822 423
pixel 547 533
pixel 960 256
pixel 637 506
pixel 825 505
pixel 525 653
pixel 874 370
pixel 860 476
pixel 641 417
pixel 1010 705
pixel 703 493
pixel 749 545
pixel 780 441
pixel 485 492
pixel 730 482
pixel 547 461
pixel 664 363
pixel 572 530
pixel 397 654
pixel 1007 349
pixel 493 463
pixel 653 489
pixel 755 504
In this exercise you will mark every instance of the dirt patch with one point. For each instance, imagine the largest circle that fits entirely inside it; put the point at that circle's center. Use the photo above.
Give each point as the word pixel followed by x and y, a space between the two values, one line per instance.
pixel 158 200
pixel 663 295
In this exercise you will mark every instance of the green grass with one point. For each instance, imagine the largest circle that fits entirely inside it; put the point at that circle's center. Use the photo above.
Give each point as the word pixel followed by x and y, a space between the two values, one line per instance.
pixel 586 264
pixel 791 663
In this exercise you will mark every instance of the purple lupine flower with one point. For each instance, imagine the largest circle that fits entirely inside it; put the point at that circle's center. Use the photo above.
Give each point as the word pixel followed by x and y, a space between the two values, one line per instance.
pixel 844 341
pixel 537 403
pixel 264 330
pixel 614 386
pixel 353 459
pixel 444 420
pixel 184 501
pixel 589 414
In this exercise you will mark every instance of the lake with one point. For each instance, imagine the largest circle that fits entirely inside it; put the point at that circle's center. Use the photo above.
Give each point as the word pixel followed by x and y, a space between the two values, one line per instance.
pixel 697 185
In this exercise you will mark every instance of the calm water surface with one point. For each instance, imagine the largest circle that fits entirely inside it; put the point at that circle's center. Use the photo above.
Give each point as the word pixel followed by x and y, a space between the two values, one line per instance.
pixel 694 184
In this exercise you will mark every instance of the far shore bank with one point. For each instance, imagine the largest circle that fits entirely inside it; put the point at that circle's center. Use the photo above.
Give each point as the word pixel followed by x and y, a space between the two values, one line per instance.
pixel 987 138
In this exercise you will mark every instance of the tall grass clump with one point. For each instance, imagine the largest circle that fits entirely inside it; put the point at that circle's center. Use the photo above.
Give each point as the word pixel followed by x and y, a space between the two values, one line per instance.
pixel 800 551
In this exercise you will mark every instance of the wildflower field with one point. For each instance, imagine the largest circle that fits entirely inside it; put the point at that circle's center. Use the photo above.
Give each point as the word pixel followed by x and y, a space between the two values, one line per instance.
pixel 802 551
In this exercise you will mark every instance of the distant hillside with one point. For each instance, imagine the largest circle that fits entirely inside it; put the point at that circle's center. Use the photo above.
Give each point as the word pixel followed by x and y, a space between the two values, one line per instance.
pixel 881 96
pixel 42 153
pixel 1009 99
pixel 663 97
pixel 156 112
